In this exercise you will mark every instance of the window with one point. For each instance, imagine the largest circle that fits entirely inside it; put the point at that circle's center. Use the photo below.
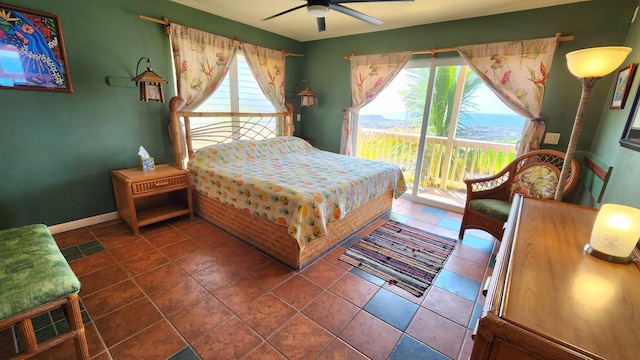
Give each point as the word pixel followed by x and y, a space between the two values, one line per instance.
pixel 239 92
pixel 481 115
pixel 441 124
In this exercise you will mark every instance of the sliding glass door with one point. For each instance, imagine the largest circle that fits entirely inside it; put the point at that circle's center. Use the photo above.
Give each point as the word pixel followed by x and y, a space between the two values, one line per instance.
pixel 440 124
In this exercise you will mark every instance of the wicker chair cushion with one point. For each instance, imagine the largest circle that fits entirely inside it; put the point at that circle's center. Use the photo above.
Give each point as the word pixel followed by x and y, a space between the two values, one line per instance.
pixel 498 209
pixel 536 181
pixel 33 271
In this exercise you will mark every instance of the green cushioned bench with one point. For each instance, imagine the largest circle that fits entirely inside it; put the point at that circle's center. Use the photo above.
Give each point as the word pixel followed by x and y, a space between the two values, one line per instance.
pixel 36 278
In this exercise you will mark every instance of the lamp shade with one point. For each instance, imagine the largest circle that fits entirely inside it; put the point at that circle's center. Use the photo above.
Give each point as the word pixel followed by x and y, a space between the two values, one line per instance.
pixel 615 232
pixel 596 62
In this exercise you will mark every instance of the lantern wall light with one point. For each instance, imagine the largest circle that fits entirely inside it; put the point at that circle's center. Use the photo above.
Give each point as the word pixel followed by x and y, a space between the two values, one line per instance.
pixel 149 82
pixel 307 96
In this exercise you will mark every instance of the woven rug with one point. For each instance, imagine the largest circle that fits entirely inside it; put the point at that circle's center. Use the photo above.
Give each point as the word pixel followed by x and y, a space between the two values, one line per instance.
pixel 402 255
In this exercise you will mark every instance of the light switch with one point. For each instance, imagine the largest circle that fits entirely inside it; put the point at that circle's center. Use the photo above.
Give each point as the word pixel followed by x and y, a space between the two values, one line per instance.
pixel 552 138
pixel 298 117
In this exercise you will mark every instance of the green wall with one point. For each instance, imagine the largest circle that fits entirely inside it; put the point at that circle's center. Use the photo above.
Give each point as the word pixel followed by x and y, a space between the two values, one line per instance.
pixel 58 148
pixel 593 23
pixel 622 187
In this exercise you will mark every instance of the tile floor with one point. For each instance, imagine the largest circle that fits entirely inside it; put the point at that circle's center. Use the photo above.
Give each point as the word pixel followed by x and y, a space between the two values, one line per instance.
pixel 184 289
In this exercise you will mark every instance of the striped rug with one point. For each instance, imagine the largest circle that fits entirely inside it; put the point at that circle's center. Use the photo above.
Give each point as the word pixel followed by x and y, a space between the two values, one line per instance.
pixel 402 255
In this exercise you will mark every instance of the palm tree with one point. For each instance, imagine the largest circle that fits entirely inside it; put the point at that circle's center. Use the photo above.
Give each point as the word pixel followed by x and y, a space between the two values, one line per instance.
pixel 444 90
pixel 441 111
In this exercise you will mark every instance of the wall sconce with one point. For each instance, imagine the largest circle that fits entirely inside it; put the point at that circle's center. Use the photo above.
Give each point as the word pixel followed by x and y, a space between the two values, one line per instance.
pixel 150 83
pixel 307 97
pixel 615 233
pixel 588 65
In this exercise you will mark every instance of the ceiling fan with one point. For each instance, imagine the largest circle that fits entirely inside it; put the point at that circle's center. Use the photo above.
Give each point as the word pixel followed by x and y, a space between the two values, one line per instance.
pixel 320 8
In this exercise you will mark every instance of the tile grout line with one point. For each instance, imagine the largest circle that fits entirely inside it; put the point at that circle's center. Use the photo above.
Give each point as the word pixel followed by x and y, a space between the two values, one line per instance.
pixel 132 278
pixel 264 340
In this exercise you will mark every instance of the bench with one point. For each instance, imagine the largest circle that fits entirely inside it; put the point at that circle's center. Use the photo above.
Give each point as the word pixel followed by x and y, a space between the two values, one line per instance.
pixel 34 279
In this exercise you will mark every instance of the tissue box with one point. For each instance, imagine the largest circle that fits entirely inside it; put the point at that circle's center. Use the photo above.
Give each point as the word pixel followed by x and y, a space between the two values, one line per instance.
pixel 147 164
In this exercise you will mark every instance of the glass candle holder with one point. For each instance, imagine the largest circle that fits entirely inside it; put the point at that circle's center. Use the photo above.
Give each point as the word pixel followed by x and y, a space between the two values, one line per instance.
pixel 615 233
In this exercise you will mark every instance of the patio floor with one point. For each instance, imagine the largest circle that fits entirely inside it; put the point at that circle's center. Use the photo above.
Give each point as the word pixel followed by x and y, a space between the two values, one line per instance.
pixel 455 199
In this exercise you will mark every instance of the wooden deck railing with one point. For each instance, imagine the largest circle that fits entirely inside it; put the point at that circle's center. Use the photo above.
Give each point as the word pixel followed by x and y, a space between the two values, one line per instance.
pixel 445 162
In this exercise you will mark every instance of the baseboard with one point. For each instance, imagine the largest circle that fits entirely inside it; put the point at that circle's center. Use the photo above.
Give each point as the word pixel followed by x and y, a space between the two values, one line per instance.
pixel 77 224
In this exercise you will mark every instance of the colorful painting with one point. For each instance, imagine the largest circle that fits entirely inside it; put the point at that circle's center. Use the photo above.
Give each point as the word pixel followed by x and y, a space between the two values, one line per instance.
pixel 32 54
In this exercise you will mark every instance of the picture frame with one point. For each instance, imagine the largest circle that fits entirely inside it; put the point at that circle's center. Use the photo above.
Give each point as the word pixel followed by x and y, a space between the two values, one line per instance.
pixel 32 52
pixel 631 134
pixel 623 84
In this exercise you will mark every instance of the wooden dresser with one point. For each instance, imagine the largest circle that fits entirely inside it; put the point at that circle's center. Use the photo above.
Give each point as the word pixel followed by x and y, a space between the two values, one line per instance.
pixel 548 299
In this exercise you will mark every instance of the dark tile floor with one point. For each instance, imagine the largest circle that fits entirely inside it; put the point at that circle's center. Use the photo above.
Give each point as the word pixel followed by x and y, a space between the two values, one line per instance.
pixel 184 289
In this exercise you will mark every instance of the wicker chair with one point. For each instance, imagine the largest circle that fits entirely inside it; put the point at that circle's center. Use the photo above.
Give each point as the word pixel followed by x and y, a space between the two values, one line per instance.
pixel 533 174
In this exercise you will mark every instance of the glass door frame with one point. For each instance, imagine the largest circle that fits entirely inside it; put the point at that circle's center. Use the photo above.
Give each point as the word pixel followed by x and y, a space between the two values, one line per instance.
pixel 432 64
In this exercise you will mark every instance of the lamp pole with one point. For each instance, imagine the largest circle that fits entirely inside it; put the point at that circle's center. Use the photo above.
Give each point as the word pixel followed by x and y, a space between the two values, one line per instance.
pixel 588 65
pixel 587 85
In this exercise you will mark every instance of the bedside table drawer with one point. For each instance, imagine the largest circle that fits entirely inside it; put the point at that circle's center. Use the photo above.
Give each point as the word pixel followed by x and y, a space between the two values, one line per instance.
pixel 158 184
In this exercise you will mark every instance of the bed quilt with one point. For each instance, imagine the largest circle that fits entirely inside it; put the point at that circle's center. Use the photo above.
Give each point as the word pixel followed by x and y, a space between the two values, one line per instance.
pixel 291 183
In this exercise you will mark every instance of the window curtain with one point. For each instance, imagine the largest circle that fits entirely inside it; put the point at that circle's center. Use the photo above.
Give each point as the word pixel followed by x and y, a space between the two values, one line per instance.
pixel 370 74
pixel 201 61
pixel 267 66
pixel 517 72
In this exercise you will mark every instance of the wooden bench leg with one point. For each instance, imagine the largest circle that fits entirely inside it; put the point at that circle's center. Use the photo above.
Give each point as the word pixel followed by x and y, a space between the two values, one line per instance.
pixel 27 336
pixel 75 321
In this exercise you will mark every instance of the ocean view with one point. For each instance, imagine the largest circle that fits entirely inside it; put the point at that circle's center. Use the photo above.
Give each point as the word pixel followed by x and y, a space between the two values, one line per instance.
pixel 473 126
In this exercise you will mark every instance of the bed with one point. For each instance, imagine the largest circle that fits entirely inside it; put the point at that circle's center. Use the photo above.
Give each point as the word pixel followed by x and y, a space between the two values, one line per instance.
pixel 276 191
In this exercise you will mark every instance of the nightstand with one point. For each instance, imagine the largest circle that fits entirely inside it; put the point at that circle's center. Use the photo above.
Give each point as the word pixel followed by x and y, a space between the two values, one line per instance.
pixel 310 141
pixel 146 197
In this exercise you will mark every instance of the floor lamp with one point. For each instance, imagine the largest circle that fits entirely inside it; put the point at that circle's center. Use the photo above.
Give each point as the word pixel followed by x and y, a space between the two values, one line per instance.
pixel 588 65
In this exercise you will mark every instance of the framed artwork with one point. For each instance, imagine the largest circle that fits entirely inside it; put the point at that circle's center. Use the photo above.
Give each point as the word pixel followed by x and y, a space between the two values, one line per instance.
pixel 625 78
pixel 631 134
pixel 32 54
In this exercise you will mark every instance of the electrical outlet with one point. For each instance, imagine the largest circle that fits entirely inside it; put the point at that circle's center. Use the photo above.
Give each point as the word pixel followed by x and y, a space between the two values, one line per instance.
pixel 552 138
pixel 298 117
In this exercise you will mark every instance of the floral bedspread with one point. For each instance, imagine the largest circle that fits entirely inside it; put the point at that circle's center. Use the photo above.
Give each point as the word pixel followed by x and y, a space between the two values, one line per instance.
pixel 291 183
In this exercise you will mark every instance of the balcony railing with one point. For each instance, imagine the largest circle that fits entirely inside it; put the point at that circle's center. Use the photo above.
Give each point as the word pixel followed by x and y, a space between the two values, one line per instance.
pixel 445 162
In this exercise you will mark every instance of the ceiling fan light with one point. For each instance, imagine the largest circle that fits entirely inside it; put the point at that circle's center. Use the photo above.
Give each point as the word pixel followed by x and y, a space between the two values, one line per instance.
pixel 318 10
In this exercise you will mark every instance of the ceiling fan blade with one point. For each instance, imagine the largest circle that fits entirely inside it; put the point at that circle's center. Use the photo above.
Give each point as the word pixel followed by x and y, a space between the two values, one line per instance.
pixel 356 14
pixel 285 12
pixel 321 24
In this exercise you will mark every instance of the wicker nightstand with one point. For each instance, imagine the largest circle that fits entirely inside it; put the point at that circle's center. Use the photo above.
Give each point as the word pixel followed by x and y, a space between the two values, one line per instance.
pixel 146 197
